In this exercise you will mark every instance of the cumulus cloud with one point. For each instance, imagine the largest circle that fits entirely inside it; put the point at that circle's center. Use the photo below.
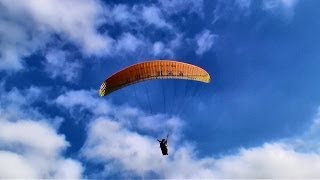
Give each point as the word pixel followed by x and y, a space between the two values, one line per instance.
pixel 30 146
pixel 138 154
pixel 120 146
pixel 39 135
pixel 272 160
pixel 123 147
pixel 204 40
pixel 32 149
pixel 130 138
pixel 29 26
pixel 13 163
pixel 309 140
pixel 59 64
pixel 131 117
pixel 75 20
pixel 84 99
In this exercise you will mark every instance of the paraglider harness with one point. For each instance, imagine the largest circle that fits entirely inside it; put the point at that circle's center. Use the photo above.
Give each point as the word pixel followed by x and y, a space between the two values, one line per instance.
pixel 164 146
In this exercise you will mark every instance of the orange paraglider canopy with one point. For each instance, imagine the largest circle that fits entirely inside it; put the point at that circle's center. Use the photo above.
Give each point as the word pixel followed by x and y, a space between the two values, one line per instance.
pixel 156 69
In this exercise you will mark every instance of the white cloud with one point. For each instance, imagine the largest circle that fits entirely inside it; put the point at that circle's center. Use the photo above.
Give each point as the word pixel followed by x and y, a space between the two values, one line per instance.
pixel 244 4
pixel 285 8
pixel 84 99
pixel 15 103
pixel 237 10
pixel 122 147
pixel 134 18
pixel 154 16
pixel 75 20
pixel 159 50
pixel 166 50
pixel 309 141
pixel 176 6
pixel 28 26
pixel 126 115
pixel 130 138
pixel 33 150
pixel 18 104
pixel 231 10
pixel 128 43
pixel 39 136
pixel 59 65
pixel 204 40
pixel 121 13
pixel 15 42
pixel 13 163
pixel 30 146
pixel 274 160
pixel 272 5
pixel 137 16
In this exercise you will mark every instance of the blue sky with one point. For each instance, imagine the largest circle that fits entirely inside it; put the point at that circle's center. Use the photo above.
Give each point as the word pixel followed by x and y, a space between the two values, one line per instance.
pixel 258 118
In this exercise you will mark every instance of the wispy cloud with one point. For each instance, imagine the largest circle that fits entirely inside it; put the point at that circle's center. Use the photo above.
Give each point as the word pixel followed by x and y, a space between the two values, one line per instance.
pixel 120 14
pixel 129 43
pixel 167 49
pixel 244 4
pixel 153 15
pixel 127 115
pixel 231 10
pixel 204 40
pixel 15 104
pixel 237 9
pixel 285 7
pixel 17 42
pixel 177 6
pixel 59 65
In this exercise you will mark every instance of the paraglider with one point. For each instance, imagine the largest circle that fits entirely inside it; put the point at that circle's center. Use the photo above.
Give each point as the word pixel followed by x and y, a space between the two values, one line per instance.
pixel 150 70
pixel 164 146
pixel 156 69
